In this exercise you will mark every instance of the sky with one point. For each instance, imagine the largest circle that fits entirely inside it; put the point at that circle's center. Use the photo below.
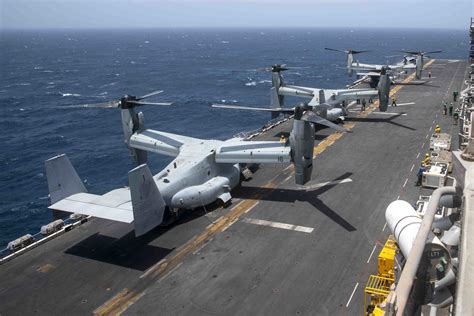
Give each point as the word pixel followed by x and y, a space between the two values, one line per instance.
pixel 99 14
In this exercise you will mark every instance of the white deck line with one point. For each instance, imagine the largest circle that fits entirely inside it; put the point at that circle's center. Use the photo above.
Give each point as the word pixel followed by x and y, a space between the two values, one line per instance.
pixel 262 222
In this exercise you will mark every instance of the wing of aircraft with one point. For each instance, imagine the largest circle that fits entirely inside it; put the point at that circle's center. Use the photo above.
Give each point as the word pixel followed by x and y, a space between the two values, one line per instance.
pixel 162 143
pixel 240 151
pixel 250 108
pixel 373 67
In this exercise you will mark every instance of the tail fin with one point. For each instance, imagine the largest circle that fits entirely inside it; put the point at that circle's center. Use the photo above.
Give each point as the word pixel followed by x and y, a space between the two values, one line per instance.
pixel 419 66
pixel 147 201
pixel 383 88
pixel 63 181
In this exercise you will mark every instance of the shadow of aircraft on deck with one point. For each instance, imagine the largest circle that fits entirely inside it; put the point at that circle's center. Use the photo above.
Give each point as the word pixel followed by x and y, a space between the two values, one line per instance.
pixel 128 251
pixel 380 120
pixel 300 194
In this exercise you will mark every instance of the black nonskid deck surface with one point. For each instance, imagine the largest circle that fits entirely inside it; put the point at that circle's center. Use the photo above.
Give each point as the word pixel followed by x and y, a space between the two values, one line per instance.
pixel 236 266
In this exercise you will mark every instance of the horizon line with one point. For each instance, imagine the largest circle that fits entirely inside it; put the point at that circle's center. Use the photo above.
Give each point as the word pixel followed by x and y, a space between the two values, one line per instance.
pixel 228 28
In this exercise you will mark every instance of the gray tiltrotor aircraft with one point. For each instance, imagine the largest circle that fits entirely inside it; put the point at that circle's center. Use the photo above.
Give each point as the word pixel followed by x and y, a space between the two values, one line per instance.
pixel 357 66
pixel 202 172
pixel 417 57
pixel 331 97
pixel 325 103
pixel 408 63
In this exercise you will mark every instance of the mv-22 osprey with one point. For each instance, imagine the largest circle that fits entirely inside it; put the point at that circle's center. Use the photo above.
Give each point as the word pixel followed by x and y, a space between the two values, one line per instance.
pixel 413 60
pixel 328 105
pixel 202 172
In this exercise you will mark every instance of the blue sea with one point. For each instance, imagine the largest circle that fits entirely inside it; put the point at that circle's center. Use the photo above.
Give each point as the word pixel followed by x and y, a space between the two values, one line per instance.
pixel 44 71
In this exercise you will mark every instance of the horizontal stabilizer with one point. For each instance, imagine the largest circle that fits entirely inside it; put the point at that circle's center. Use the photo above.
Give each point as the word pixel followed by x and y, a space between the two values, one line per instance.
pixel 114 205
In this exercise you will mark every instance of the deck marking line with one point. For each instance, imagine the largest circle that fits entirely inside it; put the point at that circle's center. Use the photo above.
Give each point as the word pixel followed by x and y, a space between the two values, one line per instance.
pixel 406 103
pixel 398 197
pixel 384 226
pixel 427 135
pixel 353 291
pixel 323 184
pixel 390 113
pixel 431 128
pixel 422 145
pixel 418 156
pixel 434 121
pixel 262 222
pixel 373 250
pixel 412 166
pixel 406 180
pixel 288 178
pixel 252 207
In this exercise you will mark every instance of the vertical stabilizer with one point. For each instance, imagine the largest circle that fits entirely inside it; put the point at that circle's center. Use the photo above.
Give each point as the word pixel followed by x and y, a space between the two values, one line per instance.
pixel 148 204
pixel 63 181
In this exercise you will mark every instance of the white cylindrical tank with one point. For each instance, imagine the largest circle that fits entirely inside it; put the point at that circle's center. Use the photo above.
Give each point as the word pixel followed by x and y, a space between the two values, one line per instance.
pixel 404 222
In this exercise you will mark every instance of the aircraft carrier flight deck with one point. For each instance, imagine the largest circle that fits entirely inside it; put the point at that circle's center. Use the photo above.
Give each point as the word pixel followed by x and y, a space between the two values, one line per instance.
pixel 278 249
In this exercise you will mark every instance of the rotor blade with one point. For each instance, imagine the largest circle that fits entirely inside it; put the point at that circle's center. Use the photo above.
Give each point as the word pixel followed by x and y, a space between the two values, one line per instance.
pixel 296 67
pixel 103 105
pixel 309 116
pixel 150 94
pixel 433 52
pixel 236 107
pixel 409 52
pixel 150 103
pixel 334 50
pixel 359 51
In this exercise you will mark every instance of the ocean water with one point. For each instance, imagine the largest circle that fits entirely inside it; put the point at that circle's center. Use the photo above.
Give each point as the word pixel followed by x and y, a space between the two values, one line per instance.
pixel 43 71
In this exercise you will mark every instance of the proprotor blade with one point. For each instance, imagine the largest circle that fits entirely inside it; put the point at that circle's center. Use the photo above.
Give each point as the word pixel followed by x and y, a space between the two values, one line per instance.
pixel 433 52
pixel 248 108
pixel 358 51
pixel 149 103
pixel 104 105
pixel 334 50
pixel 309 116
pixel 150 94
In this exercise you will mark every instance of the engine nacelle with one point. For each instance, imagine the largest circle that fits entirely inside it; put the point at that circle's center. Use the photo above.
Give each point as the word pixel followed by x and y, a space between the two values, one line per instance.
pixel 302 147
